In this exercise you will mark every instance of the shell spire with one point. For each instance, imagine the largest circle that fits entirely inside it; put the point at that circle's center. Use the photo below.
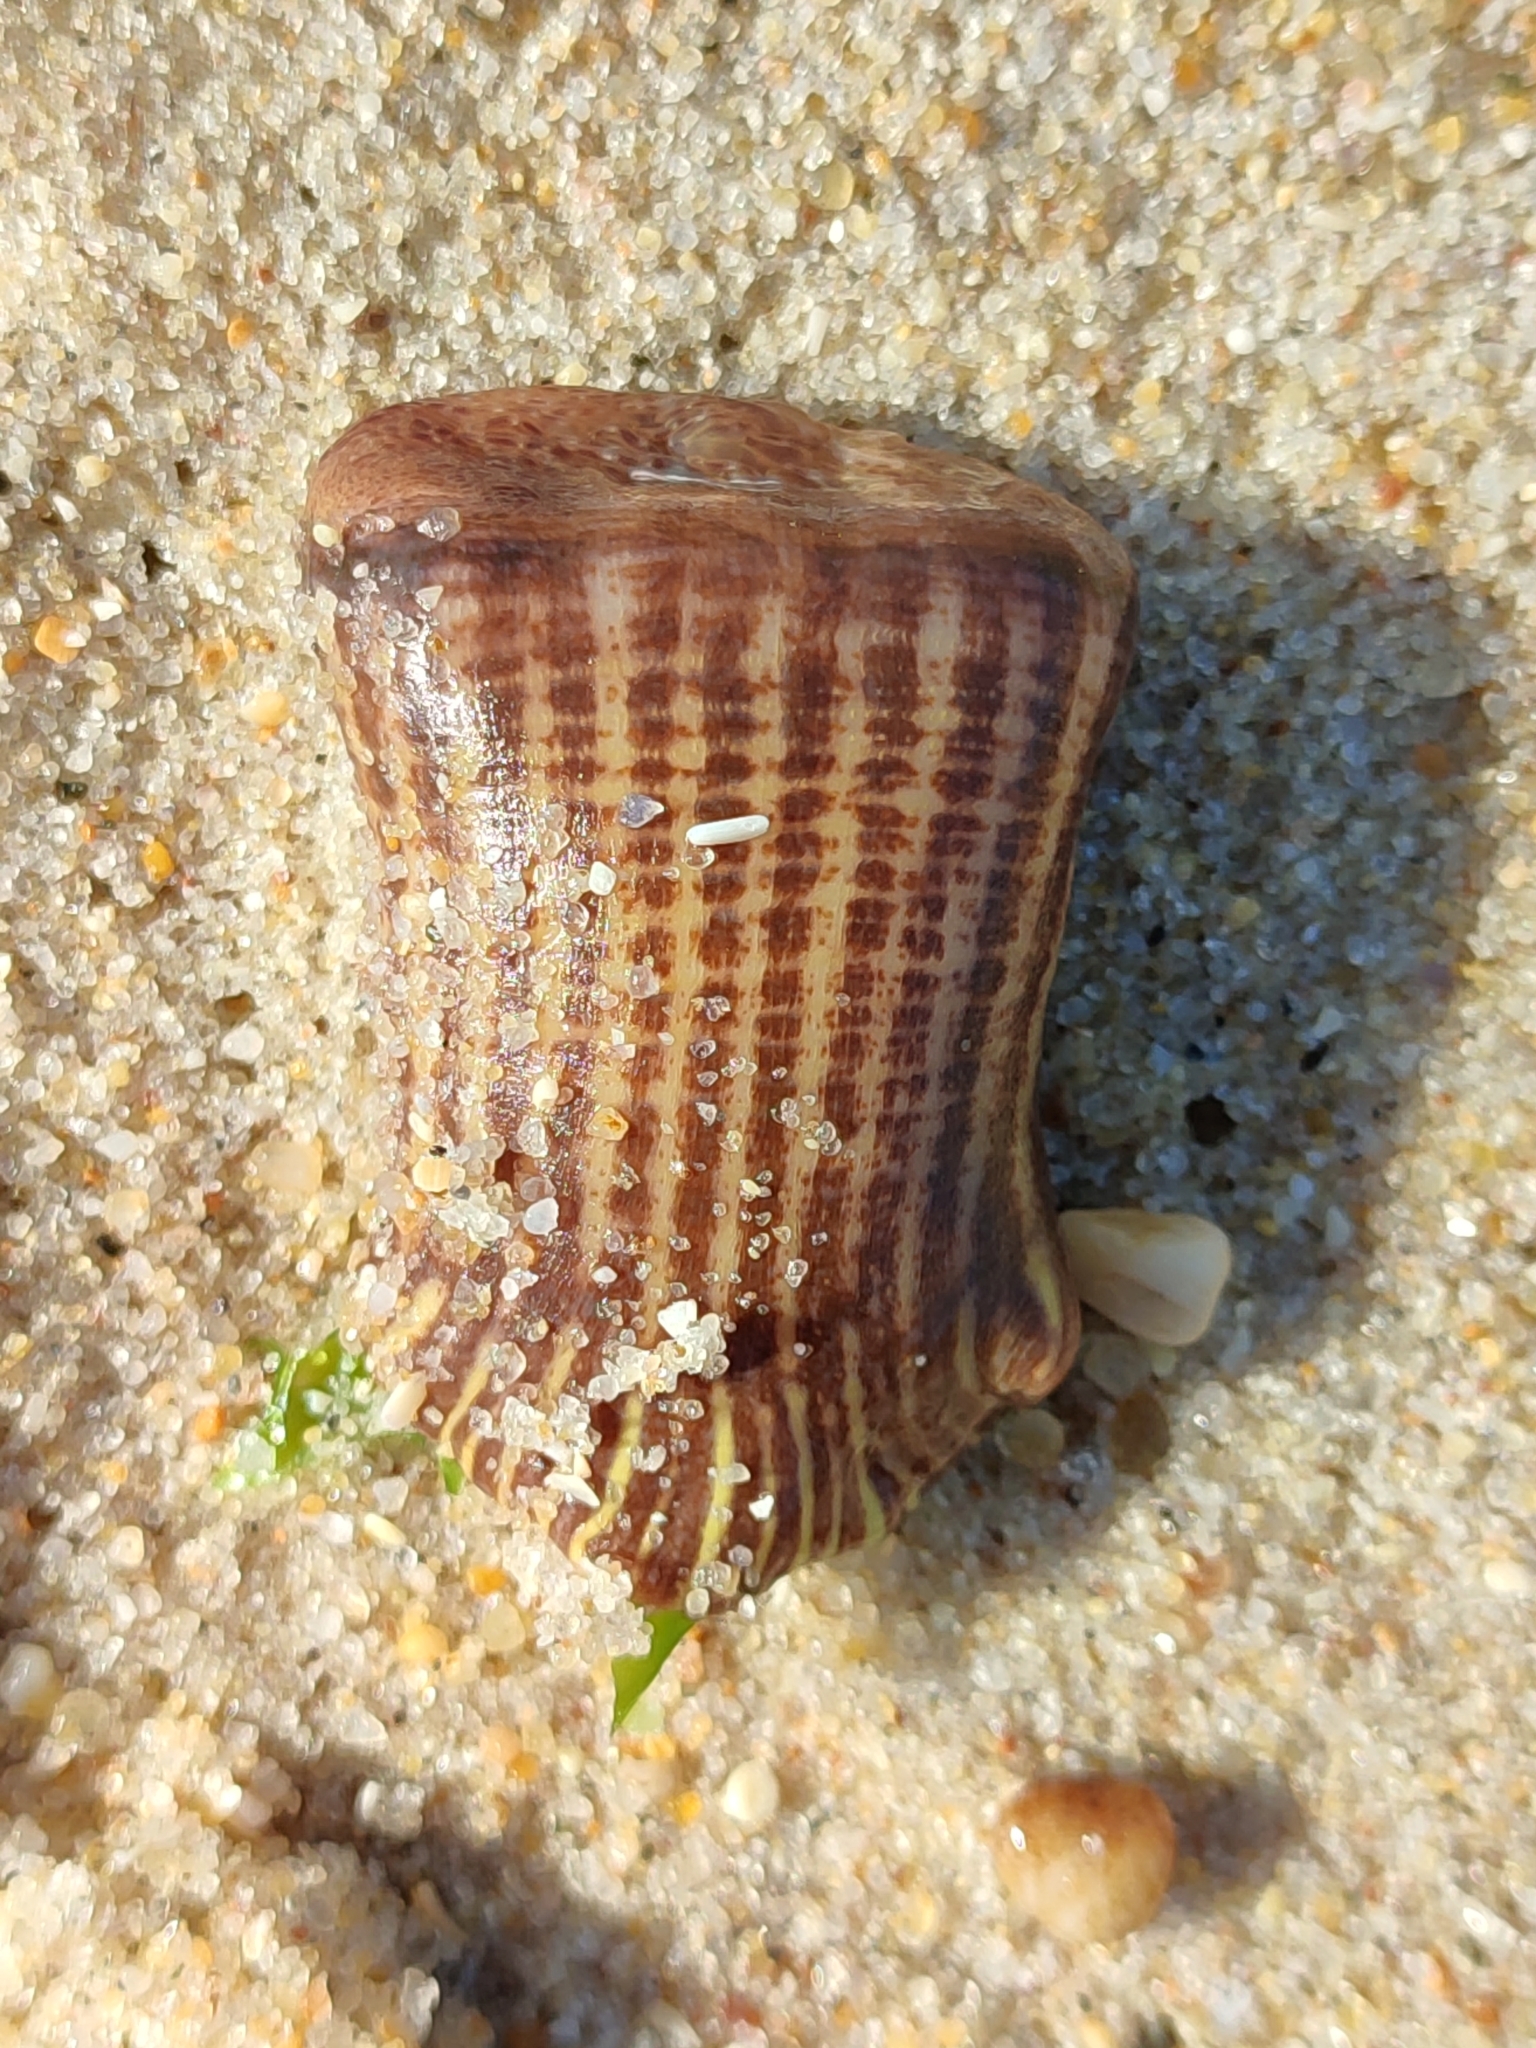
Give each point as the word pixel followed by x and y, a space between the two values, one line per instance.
pixel 726 768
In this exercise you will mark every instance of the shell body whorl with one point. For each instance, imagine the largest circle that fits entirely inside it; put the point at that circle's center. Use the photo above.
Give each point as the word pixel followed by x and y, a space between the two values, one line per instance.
pixel 723 1221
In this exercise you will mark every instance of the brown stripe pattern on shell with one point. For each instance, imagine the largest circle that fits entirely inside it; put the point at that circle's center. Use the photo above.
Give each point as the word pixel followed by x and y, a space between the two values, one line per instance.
pixel 722 1222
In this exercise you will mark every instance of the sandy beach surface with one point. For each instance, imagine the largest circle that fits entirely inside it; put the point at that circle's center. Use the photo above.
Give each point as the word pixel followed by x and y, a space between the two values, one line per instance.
pixel 327 1761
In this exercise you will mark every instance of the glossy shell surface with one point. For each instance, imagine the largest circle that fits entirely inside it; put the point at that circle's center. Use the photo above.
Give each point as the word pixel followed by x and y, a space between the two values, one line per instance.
pixel 721 1221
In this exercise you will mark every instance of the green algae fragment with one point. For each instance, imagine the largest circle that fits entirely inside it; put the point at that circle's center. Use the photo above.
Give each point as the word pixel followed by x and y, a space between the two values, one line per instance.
pixel 633 1676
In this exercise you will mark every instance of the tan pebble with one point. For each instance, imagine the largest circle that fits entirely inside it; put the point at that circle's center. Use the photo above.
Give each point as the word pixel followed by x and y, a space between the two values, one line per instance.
pixel 240 331
pixel 82 1718
pixel 750 1795
pixel 1158 1277
pixel 289 1166
pixel 267 710
pixel 59 640
pixel 212 657
pixel 502 1629
pixel 485 1579
pixel 916 1918
pixel 836 188
pixel 501 1746
pixel 427 1902
pixel 91 472
pixel 420 1644
pixel 125 1211
pixel 1089 1858
pixel 608 1123
pixel 1139 1434
pixel 433 1174
pixel 159 861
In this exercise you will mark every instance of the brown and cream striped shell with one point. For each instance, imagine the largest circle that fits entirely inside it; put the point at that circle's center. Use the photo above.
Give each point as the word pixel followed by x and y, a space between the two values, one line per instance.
pixel 722 1221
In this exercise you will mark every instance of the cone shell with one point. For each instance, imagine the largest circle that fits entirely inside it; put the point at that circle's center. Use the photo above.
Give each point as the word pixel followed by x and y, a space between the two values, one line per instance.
pixel 721 1221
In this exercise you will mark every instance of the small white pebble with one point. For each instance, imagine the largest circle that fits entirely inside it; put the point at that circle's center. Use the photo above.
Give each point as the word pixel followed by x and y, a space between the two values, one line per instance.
pixel 541 1218
pixel 1509 1576
pixel 324 536
pixel 573 1486
pixel 125 1547
pixel 27 1679
pixel 386 1534
pixel 727 831
pixel 244 1044
pixel 402 1404
pixel 601 879
pixel 678 1316
pixel 125 1211
pixel 750 1795
pixel 392 1493
pixel 635 811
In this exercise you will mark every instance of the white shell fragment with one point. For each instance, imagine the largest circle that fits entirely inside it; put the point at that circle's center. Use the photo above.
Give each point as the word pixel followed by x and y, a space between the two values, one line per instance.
pixel 728 831
pixel 1159 1277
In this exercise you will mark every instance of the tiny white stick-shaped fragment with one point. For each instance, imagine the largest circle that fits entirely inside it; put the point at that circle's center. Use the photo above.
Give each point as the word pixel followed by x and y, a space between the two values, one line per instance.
pixel 727 831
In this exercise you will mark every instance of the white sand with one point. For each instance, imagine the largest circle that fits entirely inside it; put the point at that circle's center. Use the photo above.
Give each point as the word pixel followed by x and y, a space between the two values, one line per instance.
pixel 1259 286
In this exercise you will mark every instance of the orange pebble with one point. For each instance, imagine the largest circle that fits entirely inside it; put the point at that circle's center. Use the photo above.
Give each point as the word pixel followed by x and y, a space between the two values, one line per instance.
pixel 60 640
pixel 208 1423
pixel 158 860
